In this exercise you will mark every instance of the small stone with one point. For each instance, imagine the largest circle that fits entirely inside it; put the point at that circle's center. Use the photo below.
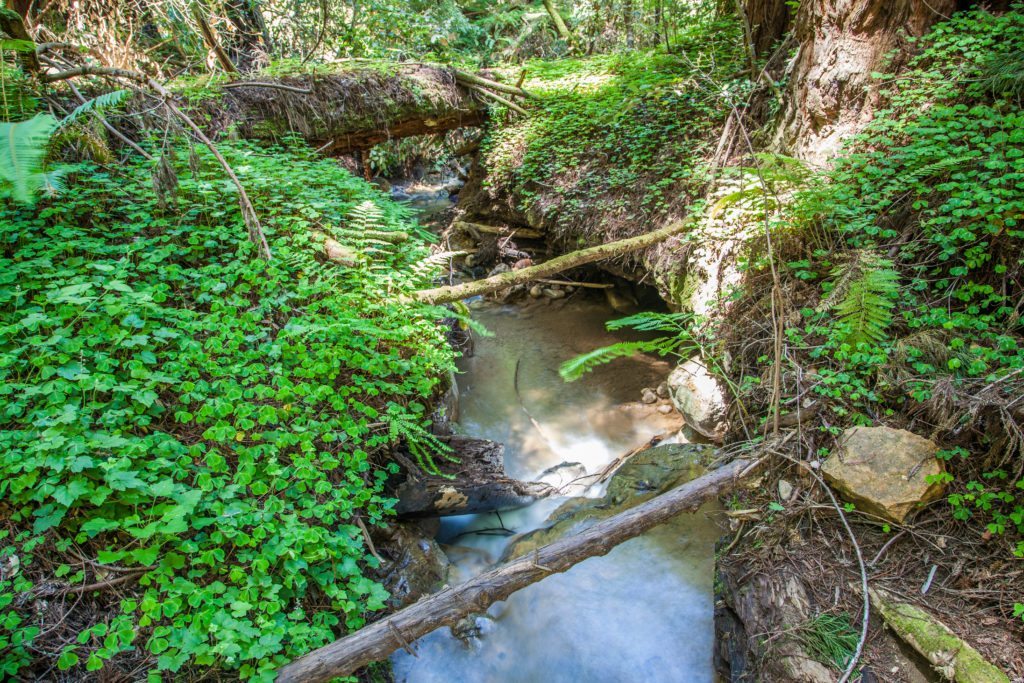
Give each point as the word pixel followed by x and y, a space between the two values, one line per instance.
pixel 499 269
pixel 648 396
pixel 785 490
pixel 522 263
pixel 552 293
pixel 665 408
pixel 662 390
pixel 536 291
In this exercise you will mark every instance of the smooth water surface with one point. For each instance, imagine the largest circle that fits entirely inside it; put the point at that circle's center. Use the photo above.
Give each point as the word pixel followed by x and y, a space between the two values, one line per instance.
pixel 641 613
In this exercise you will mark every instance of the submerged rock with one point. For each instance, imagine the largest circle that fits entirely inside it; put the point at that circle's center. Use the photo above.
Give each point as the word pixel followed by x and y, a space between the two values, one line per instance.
pixel 885 471
pixel 699 398
pixel 414 564
pixel 641 477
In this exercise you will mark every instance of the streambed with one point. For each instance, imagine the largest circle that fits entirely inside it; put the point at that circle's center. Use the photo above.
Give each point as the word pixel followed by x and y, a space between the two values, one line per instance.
pixel 644 611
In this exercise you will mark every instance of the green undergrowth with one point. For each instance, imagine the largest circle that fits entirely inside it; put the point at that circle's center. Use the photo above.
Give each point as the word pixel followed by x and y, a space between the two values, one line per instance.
pixel 912 248
pixel 195 426
pixel 615 141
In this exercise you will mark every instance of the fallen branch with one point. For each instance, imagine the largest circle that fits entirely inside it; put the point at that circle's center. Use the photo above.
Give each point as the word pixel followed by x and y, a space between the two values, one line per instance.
pixel 499 99
pixel 443 295
pixel 262 84
pixel 110 127
pixel 465 78
pixel 378 640
pixel 525 233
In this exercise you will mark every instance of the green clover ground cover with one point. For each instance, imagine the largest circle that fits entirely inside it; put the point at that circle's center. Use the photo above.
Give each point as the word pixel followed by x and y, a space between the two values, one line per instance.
pixel 175 411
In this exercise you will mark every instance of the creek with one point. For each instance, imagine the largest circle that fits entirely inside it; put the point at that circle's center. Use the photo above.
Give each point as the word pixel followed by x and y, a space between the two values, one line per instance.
pixel 642 612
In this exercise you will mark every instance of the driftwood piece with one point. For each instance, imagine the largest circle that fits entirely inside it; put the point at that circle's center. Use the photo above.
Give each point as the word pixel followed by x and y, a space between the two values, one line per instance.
pixel 378 640
pixel 443 295
pixel 479 484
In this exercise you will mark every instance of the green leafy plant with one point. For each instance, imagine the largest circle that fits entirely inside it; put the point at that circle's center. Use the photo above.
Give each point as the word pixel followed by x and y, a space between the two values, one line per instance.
pixel 24 148
pixel 679 342
pixel 867 289
pixel 210 425
pixel 830 638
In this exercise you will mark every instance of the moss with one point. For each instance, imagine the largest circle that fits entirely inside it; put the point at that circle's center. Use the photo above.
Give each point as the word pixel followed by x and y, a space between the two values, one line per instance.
pixel 950 655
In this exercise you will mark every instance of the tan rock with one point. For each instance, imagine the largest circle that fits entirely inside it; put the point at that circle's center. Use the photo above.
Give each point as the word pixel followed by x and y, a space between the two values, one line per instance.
pixel 884 471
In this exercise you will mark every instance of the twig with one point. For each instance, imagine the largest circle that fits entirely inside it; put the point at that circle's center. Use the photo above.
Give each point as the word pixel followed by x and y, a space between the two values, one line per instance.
pixel 885 547
pixel 369 541
pixel 860 561
pixel 324 13
pixel 928 582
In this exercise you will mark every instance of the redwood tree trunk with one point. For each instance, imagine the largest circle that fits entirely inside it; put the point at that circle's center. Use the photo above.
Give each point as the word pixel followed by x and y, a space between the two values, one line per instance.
pixel 830 93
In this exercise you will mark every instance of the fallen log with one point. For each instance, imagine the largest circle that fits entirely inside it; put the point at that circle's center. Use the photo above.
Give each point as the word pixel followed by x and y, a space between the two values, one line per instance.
pixel 499 99
pixel 465 77
pixel 443 295
pixel 378 640
pixel 524 233
pixel 477 483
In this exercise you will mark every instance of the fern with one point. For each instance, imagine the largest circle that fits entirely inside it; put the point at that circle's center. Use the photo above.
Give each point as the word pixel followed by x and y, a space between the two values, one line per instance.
pixel 1005 74
pixel 96 104
pixel 678 324
pixel 21 159
pixel 870 286
pixel 572 370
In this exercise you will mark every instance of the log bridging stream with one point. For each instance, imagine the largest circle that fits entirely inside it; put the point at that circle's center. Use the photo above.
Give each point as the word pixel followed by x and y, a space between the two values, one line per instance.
pixel 376 641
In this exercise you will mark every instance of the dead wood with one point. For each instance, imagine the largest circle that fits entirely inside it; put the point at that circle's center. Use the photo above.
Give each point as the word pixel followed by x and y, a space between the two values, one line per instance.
pixel 524 233
pixel 443 295
pixel 378 640
pixel 478 483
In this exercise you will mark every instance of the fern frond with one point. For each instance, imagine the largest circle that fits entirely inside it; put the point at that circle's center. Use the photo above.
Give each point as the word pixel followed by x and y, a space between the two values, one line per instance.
pixel 648 321
pixel 1005 74
pixel 96 104
pixel 869 287
pixel 572 370
pixel 24 147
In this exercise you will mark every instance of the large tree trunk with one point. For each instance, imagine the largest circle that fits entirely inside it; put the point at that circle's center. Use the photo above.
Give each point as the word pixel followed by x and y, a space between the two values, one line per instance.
pixel 831 93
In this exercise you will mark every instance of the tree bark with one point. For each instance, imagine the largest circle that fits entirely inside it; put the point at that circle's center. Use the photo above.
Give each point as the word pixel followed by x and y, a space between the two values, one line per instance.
pixel 558 21
pixel 378 640
pixel 443 295
pixel 830 93
pixel 211 41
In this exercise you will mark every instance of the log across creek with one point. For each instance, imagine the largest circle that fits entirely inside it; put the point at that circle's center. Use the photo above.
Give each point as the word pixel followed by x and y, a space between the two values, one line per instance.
pixel 379 639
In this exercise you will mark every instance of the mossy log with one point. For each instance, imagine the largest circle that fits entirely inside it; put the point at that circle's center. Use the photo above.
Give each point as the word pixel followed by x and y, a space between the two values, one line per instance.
pixel 353 107
pixel 949 654
pixel 379 639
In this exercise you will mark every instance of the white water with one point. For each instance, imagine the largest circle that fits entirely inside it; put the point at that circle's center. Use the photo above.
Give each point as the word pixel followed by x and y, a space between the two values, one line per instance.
pixel 641 613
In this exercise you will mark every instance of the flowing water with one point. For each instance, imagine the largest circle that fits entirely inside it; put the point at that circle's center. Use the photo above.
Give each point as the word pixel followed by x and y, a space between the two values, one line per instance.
pixel 641 613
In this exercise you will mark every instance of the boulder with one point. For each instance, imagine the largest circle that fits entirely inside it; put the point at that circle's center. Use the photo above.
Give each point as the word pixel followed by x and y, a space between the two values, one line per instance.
pixel 884 471
pixel 699 398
